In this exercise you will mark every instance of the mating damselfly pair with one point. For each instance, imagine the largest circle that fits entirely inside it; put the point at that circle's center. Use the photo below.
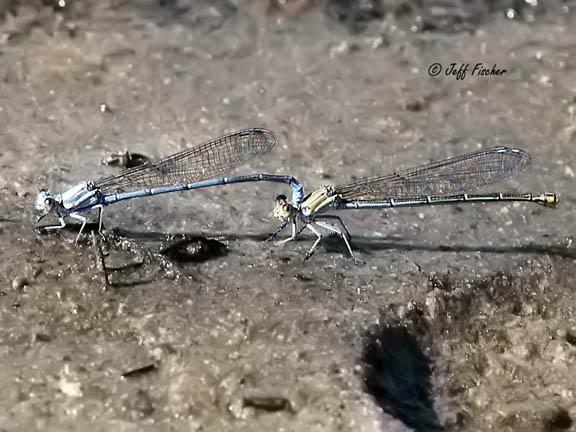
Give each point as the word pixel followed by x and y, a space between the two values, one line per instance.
pixel 448 181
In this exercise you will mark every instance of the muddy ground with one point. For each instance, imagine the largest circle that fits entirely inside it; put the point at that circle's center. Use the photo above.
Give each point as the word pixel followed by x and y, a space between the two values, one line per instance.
pixel 463 317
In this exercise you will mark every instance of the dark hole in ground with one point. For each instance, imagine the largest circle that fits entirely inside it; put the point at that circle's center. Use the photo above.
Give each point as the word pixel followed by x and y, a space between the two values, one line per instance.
pixel 194 250
pixel 179 247
pixel 125 159
pixel 557 419
pixel 397 374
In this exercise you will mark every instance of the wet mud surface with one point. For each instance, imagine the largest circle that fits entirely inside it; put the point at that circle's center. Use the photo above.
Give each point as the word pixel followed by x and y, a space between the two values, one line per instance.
pixel 463 316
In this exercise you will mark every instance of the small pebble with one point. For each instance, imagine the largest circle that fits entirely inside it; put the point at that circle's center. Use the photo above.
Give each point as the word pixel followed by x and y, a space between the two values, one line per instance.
pixel 19 282
pixel 105 108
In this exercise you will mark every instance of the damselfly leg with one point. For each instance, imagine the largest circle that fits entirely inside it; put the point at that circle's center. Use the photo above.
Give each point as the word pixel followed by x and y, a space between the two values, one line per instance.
pixel 100 214
pixel 344 236
pixel 278 230
pixel 329 216
pixel 84 221
pixel 293 236
pixel 55 227
pixel 316 231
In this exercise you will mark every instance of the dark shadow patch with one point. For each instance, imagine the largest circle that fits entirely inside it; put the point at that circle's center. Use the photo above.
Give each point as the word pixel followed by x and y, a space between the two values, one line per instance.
pixel 268 403
pixel 197 13
pixel 435 16
pixel 557 419
pixel 8 220
pixel 368 244
pixel 133 284
pixel 129 258
pixel 180 247
pixel 397 374
pixel 354 14
pixel 333 243
pixel 138 372
pixel 126 267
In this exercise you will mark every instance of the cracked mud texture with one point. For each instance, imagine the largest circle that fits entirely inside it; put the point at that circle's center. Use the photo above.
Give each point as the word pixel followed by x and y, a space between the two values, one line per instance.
pixel 463 318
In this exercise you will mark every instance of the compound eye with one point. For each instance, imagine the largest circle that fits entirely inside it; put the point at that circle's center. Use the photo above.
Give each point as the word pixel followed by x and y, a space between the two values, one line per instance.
pixel 48 202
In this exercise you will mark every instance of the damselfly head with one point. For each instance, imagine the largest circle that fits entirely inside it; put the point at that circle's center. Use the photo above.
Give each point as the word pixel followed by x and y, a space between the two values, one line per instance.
pixel 282 208
pixel 44 201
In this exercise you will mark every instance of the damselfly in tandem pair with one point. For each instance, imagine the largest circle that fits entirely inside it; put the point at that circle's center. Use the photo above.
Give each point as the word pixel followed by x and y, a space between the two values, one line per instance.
pixel 193 168
pixel 447 181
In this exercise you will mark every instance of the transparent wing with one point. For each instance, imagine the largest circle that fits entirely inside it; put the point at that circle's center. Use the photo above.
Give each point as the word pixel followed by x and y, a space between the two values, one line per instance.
pixel 198 163
pixel 459 174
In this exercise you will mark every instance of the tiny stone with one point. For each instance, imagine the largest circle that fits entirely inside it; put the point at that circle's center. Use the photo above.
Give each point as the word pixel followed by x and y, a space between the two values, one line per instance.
pixel 19 282
pixel 105 108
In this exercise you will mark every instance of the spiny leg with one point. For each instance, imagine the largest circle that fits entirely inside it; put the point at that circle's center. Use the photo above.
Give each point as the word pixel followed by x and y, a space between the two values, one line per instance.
pixel 344 237
pixel 316 231
pixel 55 227
pixel 82 219
pixel 329 216
pixel 100 263
pixel 100 213
pixel 292 237
pixel 42 216
pixel 301 229
pixel 278 230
